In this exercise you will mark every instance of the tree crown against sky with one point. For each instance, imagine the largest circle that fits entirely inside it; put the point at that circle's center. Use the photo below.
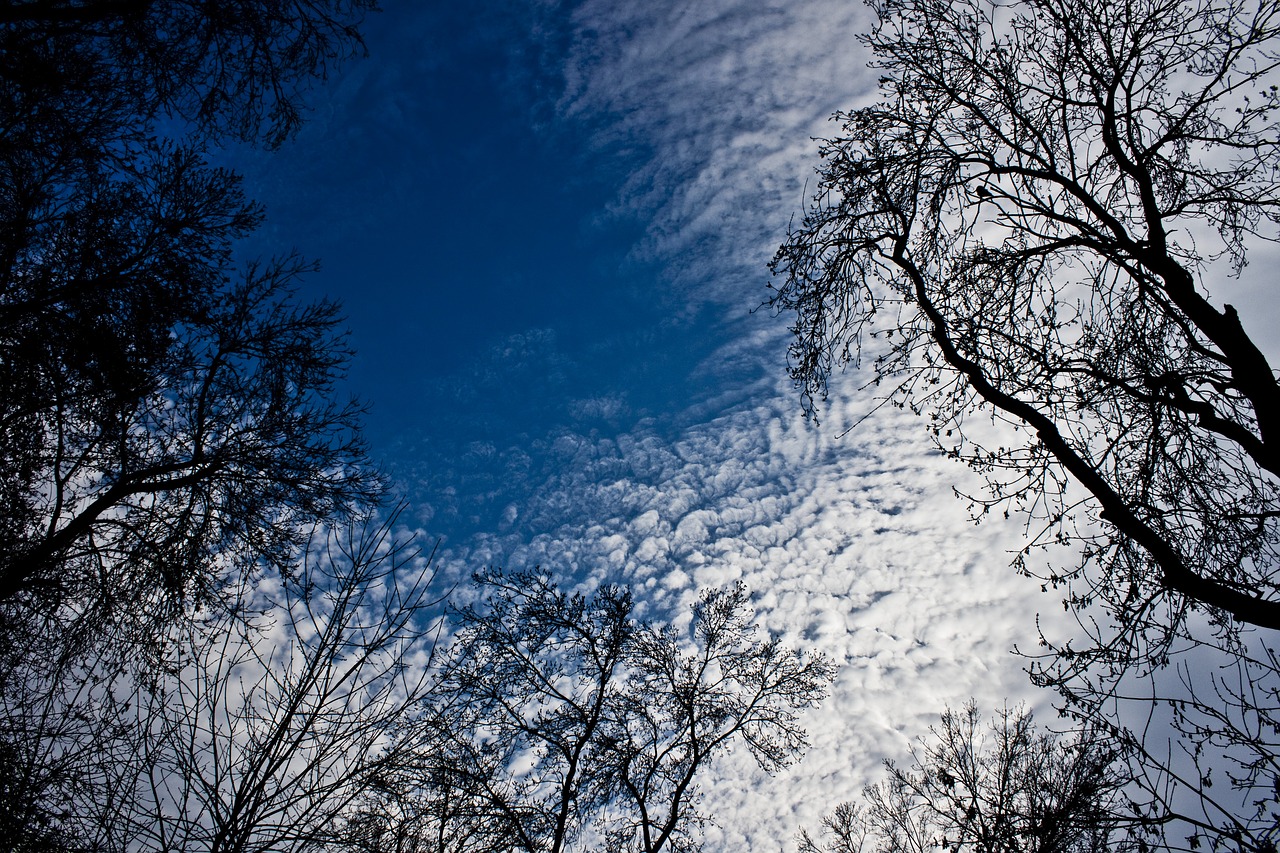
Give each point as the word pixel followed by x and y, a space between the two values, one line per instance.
pixel 563 722
pixel 998 786
pixel 169 430
pixel 260 730
pixel 1035 222
pixel 168 414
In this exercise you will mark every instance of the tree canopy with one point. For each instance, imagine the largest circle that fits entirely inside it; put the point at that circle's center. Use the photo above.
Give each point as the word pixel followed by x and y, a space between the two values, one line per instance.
pixel 168 414
pixel 1006 787
pixel 88 73
pixel 1036 221
pixel 168 429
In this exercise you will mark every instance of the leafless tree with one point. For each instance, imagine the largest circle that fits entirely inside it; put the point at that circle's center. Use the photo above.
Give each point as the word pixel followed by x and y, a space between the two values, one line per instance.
pixel 564 721
pixel 265 725
pixel 1009 789
pixel 684 705
pixel 1030 224
pixel 169 433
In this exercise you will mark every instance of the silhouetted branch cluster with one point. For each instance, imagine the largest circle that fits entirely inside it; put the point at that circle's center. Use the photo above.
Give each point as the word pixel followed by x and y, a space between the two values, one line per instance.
pixel 169 418
pixel 1027 225
pixel 257 730
pixel 168 431
pixel 1009 789
pixel 561 721
pixel 236 68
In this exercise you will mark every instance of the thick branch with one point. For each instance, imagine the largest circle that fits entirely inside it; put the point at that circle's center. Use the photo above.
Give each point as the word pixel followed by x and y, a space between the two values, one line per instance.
pixel 1176 574
pixel 19 574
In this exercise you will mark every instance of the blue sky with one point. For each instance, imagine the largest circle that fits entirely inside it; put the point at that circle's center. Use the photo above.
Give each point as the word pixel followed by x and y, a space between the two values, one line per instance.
pixel 490 279
pixel 549 224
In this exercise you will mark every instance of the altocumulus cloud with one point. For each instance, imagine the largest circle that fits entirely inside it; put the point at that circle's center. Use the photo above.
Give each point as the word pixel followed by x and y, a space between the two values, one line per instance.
pixel 854 546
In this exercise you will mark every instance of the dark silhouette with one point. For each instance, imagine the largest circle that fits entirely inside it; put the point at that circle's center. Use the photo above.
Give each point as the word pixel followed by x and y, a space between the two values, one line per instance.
pixel 168 418
pixel 560 716
pixel 1009 789
pixel 256 734
pixel 167 423
pixel 1135 147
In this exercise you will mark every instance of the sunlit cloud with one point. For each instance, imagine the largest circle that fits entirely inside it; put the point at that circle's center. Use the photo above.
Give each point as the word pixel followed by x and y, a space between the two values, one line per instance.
pixel 852 544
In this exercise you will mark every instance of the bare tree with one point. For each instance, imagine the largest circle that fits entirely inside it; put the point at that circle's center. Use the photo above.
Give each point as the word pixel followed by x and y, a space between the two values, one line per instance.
pixel 1028 224
pixel 265 724
pixel 684 705
pixel 168 420
pixel 235 449
pixel 1010 789
pixel 563 721
pixel 436 799
pixel 168 428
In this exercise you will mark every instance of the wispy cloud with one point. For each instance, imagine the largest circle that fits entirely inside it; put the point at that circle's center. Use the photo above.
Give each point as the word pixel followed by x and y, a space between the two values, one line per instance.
pixel 854 546
pixel 725 97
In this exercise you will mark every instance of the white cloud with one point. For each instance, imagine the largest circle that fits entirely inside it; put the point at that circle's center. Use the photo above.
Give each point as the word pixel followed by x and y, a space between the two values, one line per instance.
pixel 853 546
pixel 726 95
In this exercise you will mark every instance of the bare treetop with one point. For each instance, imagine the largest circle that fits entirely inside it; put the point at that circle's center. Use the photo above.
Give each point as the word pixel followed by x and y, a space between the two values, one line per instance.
pixel 1034 219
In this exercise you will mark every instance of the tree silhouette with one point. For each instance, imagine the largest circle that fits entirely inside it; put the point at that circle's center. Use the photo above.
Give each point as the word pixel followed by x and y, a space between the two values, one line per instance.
pixel 562 719
pixel 168 427
pixel 1010 789
pixel 1128 153
pixel 89 74
pixel 169 418
pixel 261 728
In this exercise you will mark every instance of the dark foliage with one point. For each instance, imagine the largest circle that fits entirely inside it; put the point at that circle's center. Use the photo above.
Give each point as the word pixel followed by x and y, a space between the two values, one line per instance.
pixel 168 431
pixel 91 72
pixel 168 419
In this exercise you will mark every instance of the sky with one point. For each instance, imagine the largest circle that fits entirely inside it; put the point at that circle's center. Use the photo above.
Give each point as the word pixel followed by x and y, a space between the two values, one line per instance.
pixel 549 224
